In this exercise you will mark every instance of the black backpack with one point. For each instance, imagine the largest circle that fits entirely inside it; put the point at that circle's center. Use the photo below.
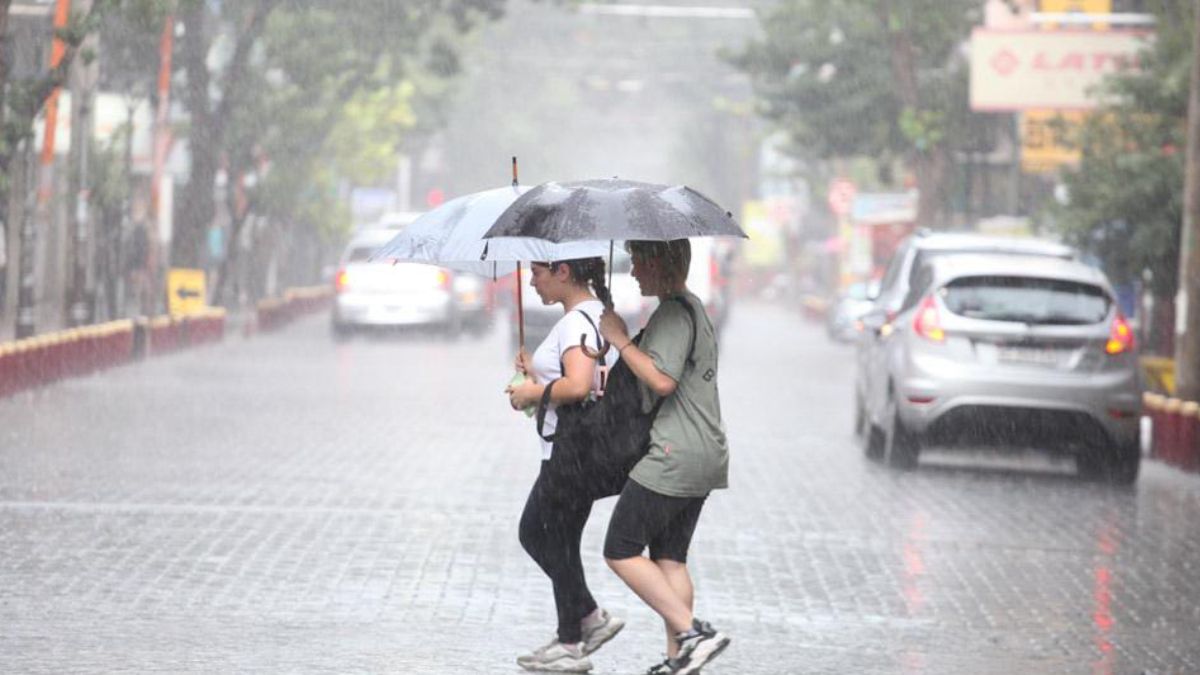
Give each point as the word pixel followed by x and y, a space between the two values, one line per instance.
pixel 598 442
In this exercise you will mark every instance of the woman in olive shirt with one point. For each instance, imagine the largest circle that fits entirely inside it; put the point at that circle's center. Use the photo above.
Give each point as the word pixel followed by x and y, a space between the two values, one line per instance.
pixel 688 455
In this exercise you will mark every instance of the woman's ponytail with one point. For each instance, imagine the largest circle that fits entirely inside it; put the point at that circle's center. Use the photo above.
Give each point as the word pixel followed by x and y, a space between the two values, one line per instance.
pixel 599 287
pixel 590 272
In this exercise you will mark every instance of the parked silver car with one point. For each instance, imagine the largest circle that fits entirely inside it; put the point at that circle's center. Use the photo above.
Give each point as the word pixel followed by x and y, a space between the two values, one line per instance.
pixel 1009 351
pixel 842 321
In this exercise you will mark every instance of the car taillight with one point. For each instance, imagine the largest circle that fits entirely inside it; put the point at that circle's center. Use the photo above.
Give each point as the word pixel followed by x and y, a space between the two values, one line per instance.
pixel 444 277
pixel 1120 336
pixel 340 281
pixel 928 323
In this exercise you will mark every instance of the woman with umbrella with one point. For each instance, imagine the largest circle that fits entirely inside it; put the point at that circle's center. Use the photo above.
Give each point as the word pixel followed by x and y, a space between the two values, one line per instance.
pixel 558 506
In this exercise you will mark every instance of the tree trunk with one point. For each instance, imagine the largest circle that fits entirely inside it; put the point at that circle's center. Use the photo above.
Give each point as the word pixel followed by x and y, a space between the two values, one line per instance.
pixel 929 164
pixel 207 138
pixel 197 206
pixel 1187 354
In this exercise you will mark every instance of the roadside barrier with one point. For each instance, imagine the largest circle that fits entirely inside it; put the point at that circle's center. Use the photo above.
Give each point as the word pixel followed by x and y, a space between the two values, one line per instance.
pixel 1175 430
pixel 43 359
pixel 76 352
pixel 275 313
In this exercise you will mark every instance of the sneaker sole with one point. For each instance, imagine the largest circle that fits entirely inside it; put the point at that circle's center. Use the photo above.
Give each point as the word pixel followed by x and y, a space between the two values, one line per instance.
pixel 589 647
pixel 704 653
pixel 555 668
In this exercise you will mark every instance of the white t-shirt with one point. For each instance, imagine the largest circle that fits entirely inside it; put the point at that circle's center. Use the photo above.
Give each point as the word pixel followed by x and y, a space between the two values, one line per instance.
pixel 547 358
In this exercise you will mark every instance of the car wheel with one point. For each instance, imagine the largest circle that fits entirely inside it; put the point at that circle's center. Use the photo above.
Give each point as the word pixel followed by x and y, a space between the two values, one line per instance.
pixel 1120 466
pixel 340 331
pixel 454 325
pixel 871 439
pixel 900 447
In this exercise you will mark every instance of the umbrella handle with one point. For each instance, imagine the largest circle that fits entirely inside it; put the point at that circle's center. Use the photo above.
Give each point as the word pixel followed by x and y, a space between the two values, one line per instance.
pixel 610 264
pixel 594 354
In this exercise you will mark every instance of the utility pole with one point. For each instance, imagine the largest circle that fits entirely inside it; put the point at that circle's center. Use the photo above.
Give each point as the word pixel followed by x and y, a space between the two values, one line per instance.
pixel 1187 302
pixel 82 83
pixel 26 309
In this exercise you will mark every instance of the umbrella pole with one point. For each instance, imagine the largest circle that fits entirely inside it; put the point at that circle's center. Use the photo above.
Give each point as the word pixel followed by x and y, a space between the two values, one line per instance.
pixel 520 311
pixel 520 305
pixel 610 270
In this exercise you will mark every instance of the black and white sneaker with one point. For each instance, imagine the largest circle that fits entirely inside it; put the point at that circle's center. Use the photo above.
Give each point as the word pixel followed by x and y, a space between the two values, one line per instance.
pixel 698 646
pixel 661 668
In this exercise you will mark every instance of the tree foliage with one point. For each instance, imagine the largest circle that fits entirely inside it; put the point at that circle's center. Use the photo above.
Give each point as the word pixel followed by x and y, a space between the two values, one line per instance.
pixel 1125 199
pixel 872 78
pixel 299 73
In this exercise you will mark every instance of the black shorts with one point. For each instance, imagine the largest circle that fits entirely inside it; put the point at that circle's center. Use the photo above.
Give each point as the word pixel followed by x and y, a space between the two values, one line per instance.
pixel 644 518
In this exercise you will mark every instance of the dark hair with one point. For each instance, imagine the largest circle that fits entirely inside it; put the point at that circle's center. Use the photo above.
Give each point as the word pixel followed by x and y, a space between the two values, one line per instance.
pixel 677 253
pixel 588 271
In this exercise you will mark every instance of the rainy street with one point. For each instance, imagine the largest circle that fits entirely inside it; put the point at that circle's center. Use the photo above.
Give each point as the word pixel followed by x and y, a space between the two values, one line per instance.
pixel 292 504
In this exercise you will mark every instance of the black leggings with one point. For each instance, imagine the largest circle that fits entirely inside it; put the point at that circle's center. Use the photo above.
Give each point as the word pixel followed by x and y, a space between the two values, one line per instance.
pixel 551 528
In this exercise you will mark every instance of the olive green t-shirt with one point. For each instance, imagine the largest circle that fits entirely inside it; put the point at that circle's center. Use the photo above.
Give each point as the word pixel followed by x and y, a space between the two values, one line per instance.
pixel 688 456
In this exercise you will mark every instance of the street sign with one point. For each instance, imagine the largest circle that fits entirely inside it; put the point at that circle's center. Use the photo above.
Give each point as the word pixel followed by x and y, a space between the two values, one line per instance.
pixel 1047 139
pixel 186 291
pixel 841 196
pixel 1020 70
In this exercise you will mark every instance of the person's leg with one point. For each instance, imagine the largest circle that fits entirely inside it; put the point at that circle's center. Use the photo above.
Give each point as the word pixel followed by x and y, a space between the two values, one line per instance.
pixel 571 594
pixel 550 532
pixel 680 582
pixel 647 580
pixel 542 536
pixel 637 519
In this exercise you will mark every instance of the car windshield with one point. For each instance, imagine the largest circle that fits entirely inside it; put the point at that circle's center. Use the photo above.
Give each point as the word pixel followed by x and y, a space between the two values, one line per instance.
pixel 1027 300
pixel 359 253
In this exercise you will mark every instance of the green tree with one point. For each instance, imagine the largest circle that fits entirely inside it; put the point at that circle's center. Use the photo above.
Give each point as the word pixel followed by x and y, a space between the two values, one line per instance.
pixel 335 94
pixel 1125 202
pixel 869 78
pixel 291 69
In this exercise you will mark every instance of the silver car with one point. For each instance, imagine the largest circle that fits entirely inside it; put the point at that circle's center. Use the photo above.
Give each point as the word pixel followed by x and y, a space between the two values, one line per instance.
pixel 1009 351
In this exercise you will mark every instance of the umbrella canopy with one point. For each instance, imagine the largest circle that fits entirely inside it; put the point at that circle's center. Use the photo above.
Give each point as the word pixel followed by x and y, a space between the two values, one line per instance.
pixel 613 209
pixel 451 235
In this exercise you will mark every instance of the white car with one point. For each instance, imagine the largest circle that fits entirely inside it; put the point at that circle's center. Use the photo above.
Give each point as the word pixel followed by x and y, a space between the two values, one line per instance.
pixel 382 294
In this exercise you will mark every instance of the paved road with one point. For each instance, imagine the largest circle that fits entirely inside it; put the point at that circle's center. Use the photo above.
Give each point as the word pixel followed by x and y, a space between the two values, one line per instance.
pixel 285 504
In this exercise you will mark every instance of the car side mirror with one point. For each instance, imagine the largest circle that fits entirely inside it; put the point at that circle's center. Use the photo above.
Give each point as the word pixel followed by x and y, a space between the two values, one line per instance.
pixel 878 321
pixel 874 320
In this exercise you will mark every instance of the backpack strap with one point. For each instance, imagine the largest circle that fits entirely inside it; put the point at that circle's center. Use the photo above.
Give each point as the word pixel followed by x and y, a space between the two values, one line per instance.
pixel 541 411
pixel 544 404
pixel 583 340
pixel 691 357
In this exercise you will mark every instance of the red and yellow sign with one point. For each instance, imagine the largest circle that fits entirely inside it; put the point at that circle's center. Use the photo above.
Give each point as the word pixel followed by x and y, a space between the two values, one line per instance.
pixel 1022 70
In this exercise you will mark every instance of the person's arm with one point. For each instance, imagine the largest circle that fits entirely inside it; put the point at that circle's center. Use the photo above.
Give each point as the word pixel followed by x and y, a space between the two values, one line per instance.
pixel 612 327
pixel 576 382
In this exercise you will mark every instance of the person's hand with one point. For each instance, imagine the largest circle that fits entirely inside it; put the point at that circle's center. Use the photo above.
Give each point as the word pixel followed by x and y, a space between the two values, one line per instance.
pixel 523 364
pixel 523 395
pixel 612 328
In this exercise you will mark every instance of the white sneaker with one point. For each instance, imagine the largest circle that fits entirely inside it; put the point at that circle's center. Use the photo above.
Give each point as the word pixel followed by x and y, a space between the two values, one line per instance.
pixel 699 646
pixel 556 657
pixel 599 630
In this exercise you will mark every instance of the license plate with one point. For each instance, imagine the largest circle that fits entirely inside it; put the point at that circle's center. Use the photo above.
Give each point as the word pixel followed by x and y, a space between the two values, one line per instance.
pixel 1029 355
